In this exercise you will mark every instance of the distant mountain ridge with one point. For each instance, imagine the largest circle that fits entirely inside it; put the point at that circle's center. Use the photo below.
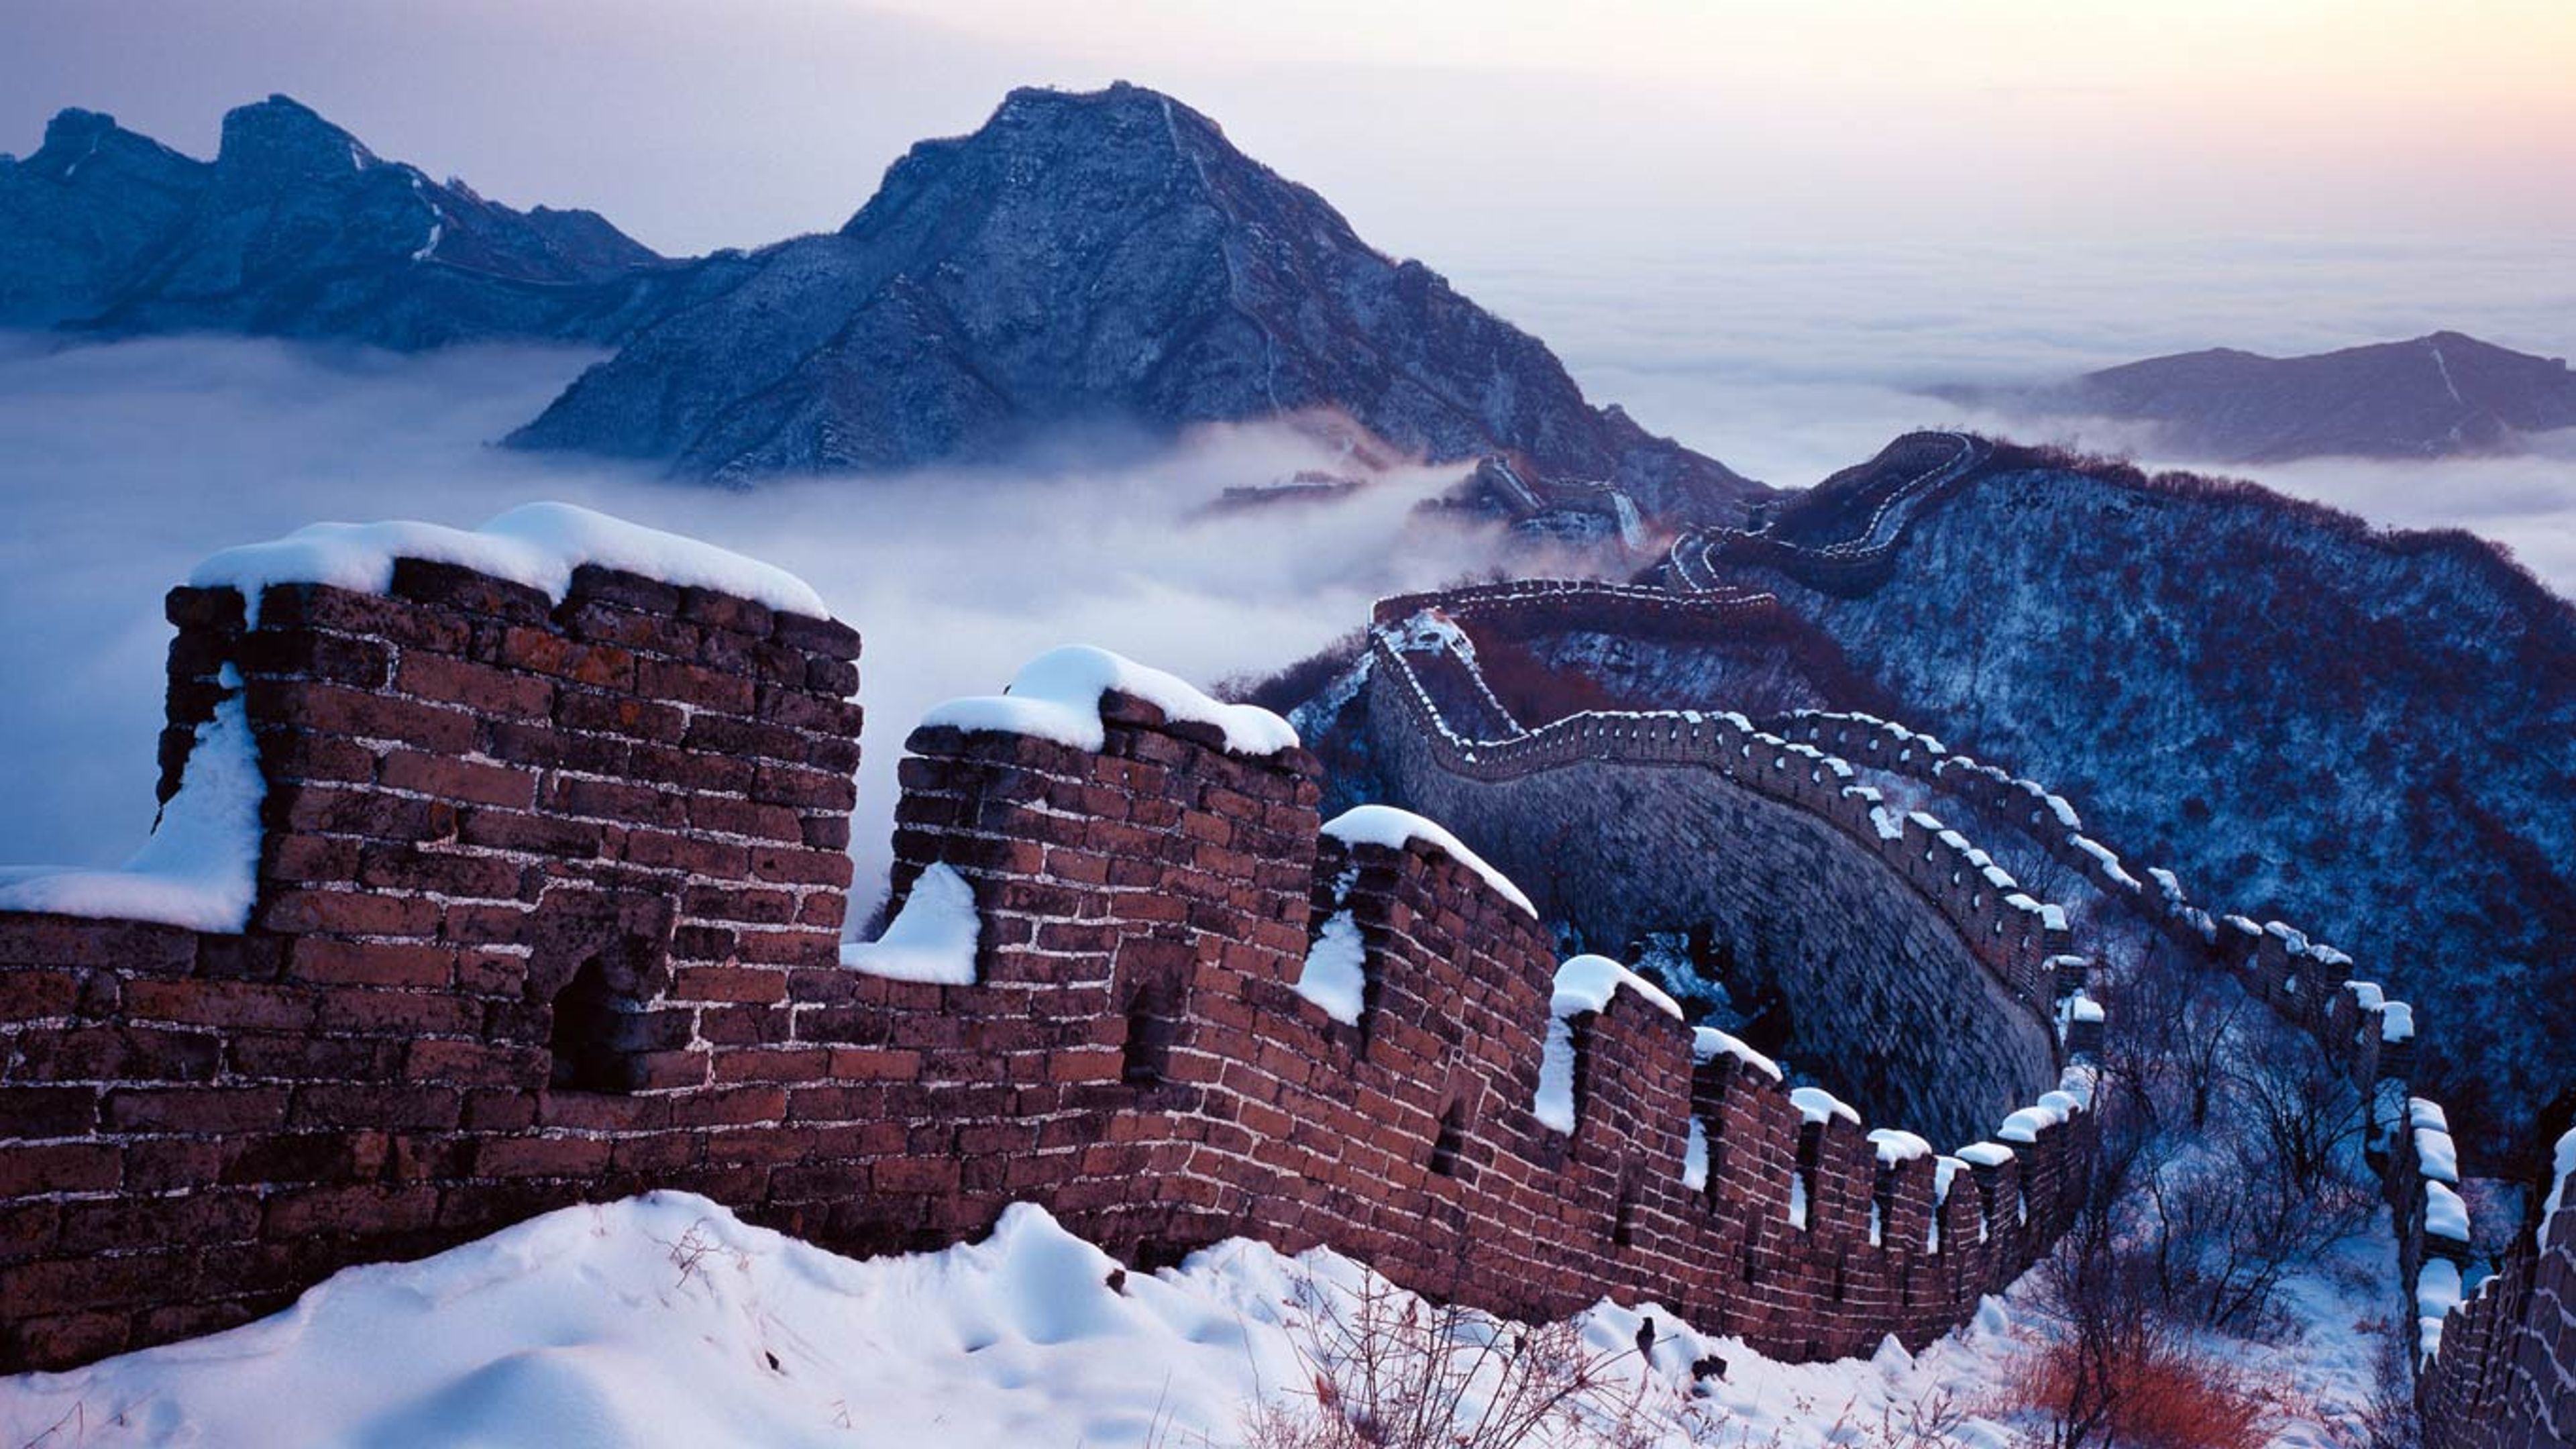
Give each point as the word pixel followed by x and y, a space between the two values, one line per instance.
pixel 2433 396
pixel 296 229
pixel 1094 259
pixel 1084 265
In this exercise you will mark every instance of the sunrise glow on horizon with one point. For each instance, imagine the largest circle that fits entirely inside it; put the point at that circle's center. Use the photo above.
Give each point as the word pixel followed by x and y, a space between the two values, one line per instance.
pixel 1445 128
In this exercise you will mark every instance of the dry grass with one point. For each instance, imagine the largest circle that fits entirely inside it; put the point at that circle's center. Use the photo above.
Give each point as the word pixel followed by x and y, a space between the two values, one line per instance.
pixel 2156 1394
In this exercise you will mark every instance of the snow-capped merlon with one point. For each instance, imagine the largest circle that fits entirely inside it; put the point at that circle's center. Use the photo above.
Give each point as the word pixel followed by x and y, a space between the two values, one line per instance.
pixel 1985 1154
pixel 2108 859
pixel 536 544
pixel 2437 1292
pixel 2425 1112
pixel 1586 983
pixel 2025 1125
pixel 1056 696
pixel 1708 1043
pixel 1385 825
pixel 2366 995
pixel 2446 1213
pixel 2436 1156
pixel 2396 1022
pixel 1815 1104
pixel 2562 1165
pixel 1895 1145
pixel 931 939
pixel 200 867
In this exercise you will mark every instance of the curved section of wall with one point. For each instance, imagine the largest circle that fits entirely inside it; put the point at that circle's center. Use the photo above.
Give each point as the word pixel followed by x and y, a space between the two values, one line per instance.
pixel 1841 536
pixel 1915 973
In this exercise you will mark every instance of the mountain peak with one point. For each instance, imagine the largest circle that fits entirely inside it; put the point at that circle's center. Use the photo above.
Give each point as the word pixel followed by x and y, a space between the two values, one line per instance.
pixel 74 127
pixel 1091 258
pixel 282 136
pixel 1117 96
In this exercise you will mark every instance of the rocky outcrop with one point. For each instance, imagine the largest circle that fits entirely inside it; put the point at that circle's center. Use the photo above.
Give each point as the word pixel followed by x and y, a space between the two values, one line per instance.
pixel 1106 261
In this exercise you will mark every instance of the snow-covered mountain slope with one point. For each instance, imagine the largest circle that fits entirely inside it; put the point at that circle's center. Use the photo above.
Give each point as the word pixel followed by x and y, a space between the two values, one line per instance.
pixel 663 1320
pixel 296 229
pixel 2373 736
pixel 1104 261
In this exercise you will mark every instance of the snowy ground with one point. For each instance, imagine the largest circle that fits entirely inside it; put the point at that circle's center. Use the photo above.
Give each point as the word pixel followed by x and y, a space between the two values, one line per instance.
pixel 663 1320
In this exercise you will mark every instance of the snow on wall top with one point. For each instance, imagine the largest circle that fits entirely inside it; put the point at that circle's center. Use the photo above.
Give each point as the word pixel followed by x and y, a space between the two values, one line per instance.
pixel 1056 696
pixel 931 939
pixel 1708 1043
pixel 1586 983
pixel 536 544
pixel 200 868
pixel 2562 1163
pixel 1385 825
pixel 1815 1104
pixel 1896 1146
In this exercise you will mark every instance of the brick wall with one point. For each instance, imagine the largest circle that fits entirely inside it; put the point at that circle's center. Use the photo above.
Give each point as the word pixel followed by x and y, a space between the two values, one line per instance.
pixel 548 912
pixel 2500 1380
pixel 1927 1006
pixel 529 872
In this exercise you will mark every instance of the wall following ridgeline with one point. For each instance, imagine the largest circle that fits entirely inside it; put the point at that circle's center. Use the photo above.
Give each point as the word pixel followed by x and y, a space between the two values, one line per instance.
pixel 1928 1004
pixel 546 907
pixel 2495 1355
pixel 1524 606
pixel 1841 537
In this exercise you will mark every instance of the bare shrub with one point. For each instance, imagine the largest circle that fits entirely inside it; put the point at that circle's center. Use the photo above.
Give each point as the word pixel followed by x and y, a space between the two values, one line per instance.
pixel 2162 1395
pixel 1386 1370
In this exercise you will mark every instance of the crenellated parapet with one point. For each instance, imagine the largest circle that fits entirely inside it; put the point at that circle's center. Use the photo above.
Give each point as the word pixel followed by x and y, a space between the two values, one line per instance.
pixel 1841 536
pixel 1521 606
pixel 542 875
pixel 2015 934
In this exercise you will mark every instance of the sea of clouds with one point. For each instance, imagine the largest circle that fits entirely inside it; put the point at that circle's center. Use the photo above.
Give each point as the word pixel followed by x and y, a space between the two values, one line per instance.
pixel 122 464
pixel 1792 361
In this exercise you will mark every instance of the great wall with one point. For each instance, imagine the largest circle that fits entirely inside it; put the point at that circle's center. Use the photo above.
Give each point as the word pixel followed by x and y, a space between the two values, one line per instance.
pixel 548 909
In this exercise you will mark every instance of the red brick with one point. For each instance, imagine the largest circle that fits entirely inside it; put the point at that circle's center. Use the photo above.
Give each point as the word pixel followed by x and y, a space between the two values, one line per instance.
pixel 465 781
pixel 196 1109
pixel 350 912
pixel 621 714
pixel 480 687
pixel 540 1157
pixel 28 1169
pixel 804 867
pixel 336 709
pixel 32 1112
pixel 371 963
pixel 691 685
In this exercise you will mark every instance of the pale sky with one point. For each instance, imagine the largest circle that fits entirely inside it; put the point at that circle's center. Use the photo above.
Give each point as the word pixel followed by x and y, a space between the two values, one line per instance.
pixel 1464 131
